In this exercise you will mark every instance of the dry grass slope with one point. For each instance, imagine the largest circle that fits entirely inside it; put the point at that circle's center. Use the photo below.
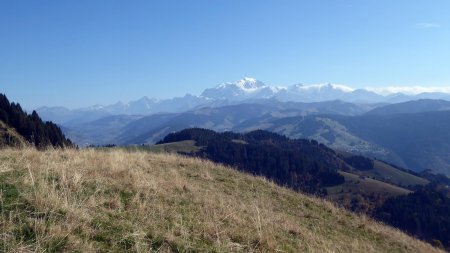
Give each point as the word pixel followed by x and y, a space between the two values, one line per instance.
pixel 118 201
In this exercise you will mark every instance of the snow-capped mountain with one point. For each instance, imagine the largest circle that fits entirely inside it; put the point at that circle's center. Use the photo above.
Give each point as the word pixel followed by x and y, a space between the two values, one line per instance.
pixel 229 93
pixel 250 88
pixel 247 88
pixel 313 93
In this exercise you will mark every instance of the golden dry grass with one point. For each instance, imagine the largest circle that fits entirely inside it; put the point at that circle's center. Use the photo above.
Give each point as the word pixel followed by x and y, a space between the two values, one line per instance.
pixel 116 201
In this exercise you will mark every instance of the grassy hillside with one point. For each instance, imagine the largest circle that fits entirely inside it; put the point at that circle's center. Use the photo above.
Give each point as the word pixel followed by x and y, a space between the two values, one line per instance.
pixel 362 194
pixel 389 173
pixel 118 201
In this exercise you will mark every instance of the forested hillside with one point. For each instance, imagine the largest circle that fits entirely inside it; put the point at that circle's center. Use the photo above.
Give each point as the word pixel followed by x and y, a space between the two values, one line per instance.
pixel 424 213
pixel 29 126
pixel 300 164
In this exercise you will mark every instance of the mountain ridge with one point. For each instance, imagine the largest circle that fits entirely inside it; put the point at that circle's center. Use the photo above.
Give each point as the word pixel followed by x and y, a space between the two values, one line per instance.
pixel 415 106
pixel 229 93
pixel 219 118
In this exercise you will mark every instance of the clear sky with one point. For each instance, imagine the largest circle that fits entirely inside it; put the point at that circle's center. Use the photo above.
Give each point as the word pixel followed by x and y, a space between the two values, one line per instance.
pixel 79 53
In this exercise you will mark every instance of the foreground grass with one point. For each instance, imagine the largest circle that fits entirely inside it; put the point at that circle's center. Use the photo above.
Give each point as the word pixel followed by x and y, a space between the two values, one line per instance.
pixel 118 201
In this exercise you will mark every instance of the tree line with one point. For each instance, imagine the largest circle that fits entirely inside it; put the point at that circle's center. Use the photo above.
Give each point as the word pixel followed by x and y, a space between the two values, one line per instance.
pixel 34 130
pixel 424 213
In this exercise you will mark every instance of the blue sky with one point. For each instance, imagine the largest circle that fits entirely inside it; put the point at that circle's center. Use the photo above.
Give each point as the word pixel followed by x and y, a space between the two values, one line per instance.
pixel 79 53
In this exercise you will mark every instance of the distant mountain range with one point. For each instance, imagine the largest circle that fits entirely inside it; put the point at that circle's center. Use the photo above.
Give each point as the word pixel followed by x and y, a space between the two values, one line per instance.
pixel 246 90
pixel 422 105
pixel 412 134
pixel 128 129
pixel 407 130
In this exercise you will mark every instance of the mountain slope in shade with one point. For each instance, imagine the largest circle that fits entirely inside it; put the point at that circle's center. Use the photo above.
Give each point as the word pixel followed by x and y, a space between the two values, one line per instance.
pixel 421 140
pixel 422 105
pixel 102 131
pixel 139 129
pixel 229 117
pixel 417 141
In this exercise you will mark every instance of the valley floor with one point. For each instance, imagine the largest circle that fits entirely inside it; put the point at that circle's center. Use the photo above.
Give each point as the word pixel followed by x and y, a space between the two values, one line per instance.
pixel 122 201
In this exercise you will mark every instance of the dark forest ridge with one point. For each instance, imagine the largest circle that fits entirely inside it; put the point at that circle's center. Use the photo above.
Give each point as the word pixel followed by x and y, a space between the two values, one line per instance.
pixel 19 128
